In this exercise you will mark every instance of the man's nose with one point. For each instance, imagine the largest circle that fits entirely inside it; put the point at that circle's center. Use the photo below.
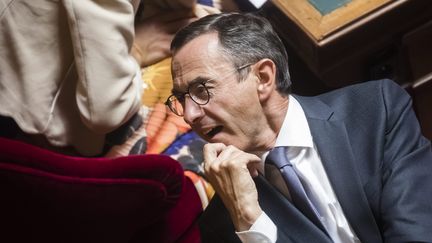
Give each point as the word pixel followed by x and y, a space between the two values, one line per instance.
pixel 192 111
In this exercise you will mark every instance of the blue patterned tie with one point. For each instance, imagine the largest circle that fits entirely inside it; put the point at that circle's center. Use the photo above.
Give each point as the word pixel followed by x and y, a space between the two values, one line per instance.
pixel 278 158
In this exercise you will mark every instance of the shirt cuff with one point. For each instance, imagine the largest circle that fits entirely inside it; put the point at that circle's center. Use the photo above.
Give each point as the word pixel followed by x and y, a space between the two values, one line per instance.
pixel 263 231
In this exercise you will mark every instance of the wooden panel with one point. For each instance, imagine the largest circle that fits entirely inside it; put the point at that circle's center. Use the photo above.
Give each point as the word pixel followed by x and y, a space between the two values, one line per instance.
pixel 347 48
pixel 319 26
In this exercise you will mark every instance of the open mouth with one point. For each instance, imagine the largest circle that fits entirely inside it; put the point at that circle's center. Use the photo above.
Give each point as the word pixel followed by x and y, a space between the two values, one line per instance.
pixel 214 131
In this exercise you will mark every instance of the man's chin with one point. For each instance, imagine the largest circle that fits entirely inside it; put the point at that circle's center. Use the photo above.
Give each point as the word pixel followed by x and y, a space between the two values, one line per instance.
pixel 220 138
pixel 228 141
pixel 224 138
pixel 215 140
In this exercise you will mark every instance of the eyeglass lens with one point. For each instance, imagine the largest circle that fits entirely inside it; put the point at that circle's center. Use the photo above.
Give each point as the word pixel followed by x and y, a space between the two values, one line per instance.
pixel 197 92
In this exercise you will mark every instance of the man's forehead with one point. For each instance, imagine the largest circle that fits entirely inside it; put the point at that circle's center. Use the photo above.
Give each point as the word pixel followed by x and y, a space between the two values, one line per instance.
pixel 191 70
pixel 201 58
pixel 184 72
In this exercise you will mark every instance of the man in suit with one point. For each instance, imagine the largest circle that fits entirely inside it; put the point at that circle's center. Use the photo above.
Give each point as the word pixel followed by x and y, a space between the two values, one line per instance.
pixel 361 163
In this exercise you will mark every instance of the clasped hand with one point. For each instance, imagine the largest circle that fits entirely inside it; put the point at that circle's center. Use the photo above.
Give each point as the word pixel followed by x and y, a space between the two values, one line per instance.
pixel 230 172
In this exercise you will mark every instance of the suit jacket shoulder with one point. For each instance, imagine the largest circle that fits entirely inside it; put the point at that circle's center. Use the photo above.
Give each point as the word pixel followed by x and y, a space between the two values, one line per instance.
pixel 373 151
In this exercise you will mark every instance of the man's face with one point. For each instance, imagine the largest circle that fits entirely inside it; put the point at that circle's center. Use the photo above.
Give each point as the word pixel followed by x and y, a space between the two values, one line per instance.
pixel 233 115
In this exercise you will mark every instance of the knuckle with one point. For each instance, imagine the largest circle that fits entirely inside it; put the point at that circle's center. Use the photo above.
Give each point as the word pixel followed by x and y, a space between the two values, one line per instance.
pixel 211 167
pixel 207 147
pixel 231 164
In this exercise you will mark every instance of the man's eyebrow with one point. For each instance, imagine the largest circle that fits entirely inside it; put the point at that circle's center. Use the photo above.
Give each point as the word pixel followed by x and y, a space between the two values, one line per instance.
pixel 196 80
pixel 199 79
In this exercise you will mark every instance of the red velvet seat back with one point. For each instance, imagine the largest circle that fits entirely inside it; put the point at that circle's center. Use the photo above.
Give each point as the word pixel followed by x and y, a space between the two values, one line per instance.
pixel 48 197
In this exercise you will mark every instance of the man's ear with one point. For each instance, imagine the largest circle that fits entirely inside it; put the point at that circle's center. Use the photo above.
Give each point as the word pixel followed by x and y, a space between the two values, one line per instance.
pixel 265 71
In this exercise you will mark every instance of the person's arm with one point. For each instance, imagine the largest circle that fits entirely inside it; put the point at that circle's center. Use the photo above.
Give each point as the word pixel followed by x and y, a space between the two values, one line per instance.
pixel 153 35
pixel 227 169
pixel 406 208
pixel 230 172
pixel 108 88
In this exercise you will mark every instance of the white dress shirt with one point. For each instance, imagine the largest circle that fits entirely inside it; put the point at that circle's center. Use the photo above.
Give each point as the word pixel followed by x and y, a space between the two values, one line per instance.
pixel 303 154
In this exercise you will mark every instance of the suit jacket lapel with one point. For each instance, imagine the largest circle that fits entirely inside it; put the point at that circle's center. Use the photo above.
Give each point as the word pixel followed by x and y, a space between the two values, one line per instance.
pixel 293 226
pixel 331 138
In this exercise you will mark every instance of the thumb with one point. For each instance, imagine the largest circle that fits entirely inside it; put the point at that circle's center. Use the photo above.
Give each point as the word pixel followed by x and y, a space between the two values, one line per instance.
pixel 254 165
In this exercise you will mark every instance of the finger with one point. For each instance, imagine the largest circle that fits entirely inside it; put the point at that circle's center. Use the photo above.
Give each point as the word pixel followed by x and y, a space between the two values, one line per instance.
pixel 212 150
pixel 231 153
pixel 253 169
pixel 254 164
pixel 236 160
pixel 242 159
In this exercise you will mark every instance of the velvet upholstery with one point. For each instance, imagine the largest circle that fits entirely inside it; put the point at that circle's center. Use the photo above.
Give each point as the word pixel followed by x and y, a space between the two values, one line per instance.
pixel 48 197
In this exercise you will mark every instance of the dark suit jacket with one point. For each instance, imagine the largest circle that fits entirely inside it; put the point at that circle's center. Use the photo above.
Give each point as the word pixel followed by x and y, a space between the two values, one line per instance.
pixel 377 161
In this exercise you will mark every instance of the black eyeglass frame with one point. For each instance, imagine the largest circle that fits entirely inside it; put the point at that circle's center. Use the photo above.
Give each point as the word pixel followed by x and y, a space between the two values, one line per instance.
pixel 173 98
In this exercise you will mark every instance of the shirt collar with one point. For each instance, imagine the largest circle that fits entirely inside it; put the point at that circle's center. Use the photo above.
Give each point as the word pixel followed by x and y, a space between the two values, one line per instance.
pixel 295 130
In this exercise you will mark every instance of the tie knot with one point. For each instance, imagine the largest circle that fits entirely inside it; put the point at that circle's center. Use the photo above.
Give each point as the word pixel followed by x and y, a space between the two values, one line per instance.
pixel 278 157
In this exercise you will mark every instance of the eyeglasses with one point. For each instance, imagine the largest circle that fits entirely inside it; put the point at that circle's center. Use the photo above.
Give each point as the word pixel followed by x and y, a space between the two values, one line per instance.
pixel 198 93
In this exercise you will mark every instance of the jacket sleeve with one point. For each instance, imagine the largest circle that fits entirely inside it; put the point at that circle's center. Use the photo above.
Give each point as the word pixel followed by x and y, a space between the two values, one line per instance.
pixel 108 89
pixel 406 209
